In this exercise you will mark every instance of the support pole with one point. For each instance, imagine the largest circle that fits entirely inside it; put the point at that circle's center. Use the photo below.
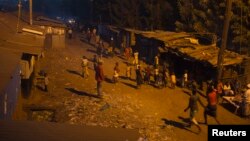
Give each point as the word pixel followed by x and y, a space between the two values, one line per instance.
pixel 224 39
pixel 19 16
pixel 31 12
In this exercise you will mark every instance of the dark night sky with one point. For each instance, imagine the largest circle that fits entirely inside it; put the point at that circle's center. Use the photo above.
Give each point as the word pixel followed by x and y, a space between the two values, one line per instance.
pixel 63 8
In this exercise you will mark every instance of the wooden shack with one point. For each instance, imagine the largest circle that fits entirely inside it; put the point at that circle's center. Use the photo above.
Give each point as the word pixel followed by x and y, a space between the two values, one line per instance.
pixel 27 42
pixel 55 31
pixel 182 51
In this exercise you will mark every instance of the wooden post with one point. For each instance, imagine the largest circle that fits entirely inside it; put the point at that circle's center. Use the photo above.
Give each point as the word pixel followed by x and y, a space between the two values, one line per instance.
pixel 224 39
pixel 31 14
pixel 19 15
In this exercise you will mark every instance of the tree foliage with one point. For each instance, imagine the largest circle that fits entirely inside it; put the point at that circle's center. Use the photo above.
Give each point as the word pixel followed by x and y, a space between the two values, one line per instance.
pixel 139 14
pixel 241 23
pixel 201 16
pixel 207 16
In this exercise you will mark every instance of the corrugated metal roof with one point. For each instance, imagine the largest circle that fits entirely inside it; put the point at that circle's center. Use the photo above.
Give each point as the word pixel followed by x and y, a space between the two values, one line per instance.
pixel 186 44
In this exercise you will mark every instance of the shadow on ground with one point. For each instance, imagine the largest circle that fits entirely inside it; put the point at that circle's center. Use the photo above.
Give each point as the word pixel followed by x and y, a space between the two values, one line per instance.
pixel 186 120
pixel 81 93
pixel 187 92
pixel 180 125
pixel 109 80
pixel 91 50
pixel 130 85
pixel 74 72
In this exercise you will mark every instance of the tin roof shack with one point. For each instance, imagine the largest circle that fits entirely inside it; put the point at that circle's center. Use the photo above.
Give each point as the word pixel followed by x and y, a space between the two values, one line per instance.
pixel 9 82
pixel 148 48
pixel 29 44
pixel 55 31
pixel 182 51
pixel 127 36
pixel 29 62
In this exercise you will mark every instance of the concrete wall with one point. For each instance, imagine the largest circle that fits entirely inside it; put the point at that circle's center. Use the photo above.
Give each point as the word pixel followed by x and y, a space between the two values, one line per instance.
pixel 8 98
pixel 27 66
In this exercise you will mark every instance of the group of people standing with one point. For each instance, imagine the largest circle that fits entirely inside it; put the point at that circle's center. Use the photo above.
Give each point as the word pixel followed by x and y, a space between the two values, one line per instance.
pixel 162 78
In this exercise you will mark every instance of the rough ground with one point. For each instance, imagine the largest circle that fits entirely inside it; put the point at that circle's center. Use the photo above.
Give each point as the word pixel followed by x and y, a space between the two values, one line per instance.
pixel 156 113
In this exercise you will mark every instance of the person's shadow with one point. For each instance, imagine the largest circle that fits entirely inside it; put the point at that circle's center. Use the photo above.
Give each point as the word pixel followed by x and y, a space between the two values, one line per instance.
pixel 109 80
pixel 81 93
pixel 74 72
pixel 175 124
pixel 130 85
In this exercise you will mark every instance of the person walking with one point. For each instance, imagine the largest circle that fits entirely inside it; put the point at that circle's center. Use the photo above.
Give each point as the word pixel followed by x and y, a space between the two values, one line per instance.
pixel 99 77
pixel 211 108
pixel 193 106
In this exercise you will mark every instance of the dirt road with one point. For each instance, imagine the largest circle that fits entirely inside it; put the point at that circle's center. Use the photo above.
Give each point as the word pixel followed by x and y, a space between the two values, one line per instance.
pixel 156 113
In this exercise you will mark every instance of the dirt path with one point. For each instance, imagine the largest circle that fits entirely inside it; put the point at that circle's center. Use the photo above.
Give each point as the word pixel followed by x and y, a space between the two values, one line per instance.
pixel 156 113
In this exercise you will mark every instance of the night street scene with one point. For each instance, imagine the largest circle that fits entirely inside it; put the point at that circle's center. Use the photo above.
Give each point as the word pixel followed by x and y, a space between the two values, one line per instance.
pixel 122 70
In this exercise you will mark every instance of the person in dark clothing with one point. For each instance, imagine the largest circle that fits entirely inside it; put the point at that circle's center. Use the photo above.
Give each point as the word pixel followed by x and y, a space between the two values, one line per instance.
pixel 165 77
pixel 99 77
pixel 139 76
pixel 46 82
pixel 95 61
pixel 147 75
pixel 88 35
pixel 100 48
pixel 193 106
